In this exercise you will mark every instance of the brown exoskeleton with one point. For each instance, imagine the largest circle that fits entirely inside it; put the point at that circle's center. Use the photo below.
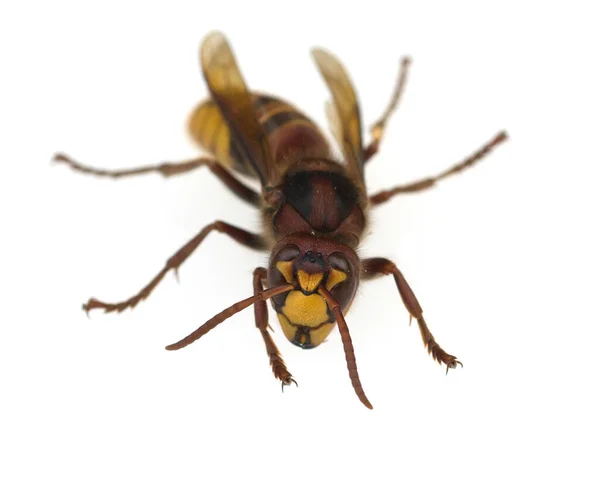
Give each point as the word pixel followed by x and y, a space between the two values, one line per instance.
pixel 314 207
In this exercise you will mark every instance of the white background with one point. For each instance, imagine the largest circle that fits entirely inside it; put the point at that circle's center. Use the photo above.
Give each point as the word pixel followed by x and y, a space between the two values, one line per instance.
pixel 504 260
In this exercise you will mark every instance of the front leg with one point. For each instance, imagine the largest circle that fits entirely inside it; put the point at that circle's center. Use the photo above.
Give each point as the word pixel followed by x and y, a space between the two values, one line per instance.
pixel 374 267
pixel 241 236
pixel 261 318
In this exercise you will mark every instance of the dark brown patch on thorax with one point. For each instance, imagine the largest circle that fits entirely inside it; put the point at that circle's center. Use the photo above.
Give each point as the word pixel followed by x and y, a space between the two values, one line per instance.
pixel 323 199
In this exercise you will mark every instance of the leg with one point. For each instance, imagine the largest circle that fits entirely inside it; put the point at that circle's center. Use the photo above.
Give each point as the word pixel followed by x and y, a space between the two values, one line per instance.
pixel 377 266
pixel 261 317
pixel 378 128
pixel 251 240
pixel 419 185
pixel 171 169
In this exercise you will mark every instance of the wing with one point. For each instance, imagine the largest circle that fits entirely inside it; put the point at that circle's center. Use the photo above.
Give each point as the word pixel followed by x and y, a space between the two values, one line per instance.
pixel 229 91
pixel 344 116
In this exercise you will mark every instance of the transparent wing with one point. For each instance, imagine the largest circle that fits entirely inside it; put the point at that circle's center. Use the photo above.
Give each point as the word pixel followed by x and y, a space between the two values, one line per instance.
pixel 229 91
pixel 344 116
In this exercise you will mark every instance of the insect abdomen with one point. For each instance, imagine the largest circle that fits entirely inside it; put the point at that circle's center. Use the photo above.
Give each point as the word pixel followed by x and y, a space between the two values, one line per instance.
pixel 290 133
pixel 209 130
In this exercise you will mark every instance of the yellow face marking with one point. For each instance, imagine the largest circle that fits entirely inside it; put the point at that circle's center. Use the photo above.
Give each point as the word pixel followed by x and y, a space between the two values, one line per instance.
pixel 288 329
pixel 302 339
pixel 335 277
pixel 318 335
pixel 309 282
pixel 287 270
pixel 304 310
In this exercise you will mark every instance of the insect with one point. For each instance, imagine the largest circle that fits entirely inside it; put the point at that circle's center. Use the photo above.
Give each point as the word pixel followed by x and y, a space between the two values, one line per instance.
pixel 314 206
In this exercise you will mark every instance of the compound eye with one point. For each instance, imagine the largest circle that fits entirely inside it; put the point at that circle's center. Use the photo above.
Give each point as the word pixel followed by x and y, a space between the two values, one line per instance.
pixel 288 253
pixel 339 262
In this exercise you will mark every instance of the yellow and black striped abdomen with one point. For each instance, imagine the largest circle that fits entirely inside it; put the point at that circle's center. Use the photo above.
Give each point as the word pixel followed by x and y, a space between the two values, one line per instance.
pixel 286 129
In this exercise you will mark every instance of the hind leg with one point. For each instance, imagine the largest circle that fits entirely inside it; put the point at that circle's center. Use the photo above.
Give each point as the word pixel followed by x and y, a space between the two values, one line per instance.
pixel 378 128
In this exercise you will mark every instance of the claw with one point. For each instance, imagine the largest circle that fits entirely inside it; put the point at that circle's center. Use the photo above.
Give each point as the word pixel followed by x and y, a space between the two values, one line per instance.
pixel 452 364
pixel 91 304
pixel 86 309
pixel 287 381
